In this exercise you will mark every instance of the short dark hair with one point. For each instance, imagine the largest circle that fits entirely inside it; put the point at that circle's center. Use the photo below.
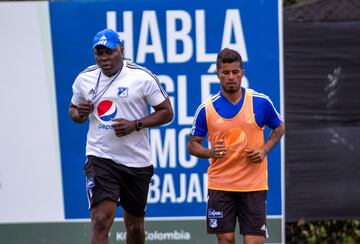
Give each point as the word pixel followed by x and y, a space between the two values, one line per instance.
pixel 228 55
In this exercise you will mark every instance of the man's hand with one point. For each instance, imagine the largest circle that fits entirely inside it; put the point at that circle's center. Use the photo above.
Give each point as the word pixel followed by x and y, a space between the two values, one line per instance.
pixel 256 155
pixel 84 109
pixel 123 127
pixel 219 149
pixel 80 113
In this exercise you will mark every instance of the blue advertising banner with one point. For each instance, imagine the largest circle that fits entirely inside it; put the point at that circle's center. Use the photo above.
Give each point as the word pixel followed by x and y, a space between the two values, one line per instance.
pixel 178 41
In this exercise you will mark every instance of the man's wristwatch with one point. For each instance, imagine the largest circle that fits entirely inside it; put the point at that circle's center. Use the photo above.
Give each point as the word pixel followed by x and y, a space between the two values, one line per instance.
pixel 138 125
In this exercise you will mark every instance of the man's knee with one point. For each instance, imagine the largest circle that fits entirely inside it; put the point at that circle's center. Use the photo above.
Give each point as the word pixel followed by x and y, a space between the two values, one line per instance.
pixel 226 238
pixel 101 220
pixel 136 227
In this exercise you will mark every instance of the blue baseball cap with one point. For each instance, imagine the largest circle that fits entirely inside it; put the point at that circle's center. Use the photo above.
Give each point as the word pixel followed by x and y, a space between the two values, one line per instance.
pixel 108 38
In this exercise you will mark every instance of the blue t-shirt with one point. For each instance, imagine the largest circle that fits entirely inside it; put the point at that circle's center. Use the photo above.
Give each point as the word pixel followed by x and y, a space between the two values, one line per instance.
pixel 264 112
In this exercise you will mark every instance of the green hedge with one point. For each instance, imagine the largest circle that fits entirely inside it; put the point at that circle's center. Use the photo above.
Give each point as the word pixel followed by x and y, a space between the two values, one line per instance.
pixel 329 231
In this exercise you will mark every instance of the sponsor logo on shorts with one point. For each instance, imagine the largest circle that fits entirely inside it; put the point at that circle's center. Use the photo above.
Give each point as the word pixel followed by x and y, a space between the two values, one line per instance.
pixel 89 191
pixel 212 213
pixel 264 228
pixel 213 223
pixel 90 182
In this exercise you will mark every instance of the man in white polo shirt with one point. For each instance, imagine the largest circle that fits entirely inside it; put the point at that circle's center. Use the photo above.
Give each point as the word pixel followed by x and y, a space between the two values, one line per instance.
pixel 114 94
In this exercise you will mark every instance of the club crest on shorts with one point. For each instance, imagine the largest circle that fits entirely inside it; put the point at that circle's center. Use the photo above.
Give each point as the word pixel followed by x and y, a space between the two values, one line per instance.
pixel 123 91
pixel 213 223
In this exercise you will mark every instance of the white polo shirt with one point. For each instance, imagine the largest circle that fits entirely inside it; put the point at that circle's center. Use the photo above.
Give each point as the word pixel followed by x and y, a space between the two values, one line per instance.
pixel 126 95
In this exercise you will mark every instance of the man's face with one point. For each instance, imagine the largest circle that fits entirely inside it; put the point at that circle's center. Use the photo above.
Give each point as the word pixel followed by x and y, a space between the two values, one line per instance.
pixel 109 60
pixel 230 75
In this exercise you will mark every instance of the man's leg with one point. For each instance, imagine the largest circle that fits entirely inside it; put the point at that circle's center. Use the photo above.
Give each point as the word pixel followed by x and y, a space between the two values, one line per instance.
pixel 226 238
pixel 102 217
pixel 135 232
pixel 221 215
pixel 250 239
pixel 252 218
